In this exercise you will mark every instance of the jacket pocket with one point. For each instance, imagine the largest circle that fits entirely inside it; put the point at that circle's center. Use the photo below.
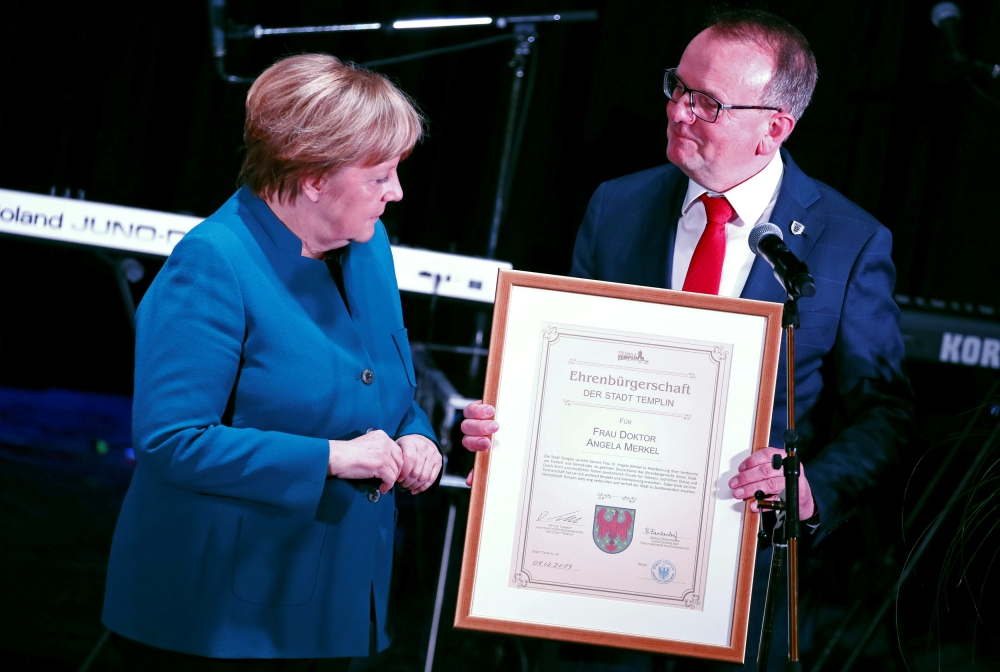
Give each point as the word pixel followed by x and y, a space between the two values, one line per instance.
pixel 277 559
pixel 403 348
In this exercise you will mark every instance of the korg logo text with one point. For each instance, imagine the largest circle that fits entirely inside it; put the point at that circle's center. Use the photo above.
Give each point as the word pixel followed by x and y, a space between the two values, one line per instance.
pixel 970 350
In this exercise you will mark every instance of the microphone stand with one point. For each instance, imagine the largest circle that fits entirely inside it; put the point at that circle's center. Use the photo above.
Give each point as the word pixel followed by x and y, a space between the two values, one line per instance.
pixel 785 542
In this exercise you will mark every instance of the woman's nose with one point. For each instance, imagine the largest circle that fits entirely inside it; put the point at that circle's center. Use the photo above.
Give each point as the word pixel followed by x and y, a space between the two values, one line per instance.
pixel 394 191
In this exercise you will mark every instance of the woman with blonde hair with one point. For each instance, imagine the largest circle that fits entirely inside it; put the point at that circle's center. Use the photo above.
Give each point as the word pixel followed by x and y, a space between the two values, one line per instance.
pixel 274 398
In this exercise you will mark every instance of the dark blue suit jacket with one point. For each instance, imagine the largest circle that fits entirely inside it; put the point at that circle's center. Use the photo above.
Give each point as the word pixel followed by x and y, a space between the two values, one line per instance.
pixel 232 542
pixel 851 394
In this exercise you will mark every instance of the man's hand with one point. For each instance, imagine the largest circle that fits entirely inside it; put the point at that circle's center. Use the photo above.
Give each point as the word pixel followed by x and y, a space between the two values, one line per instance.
pixel 421 463
pixel 756 473
pixel 477 428
pixel 371 455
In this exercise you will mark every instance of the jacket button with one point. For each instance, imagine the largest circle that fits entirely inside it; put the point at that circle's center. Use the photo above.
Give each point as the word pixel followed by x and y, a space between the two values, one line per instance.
pixel 367 376
pixel 373 495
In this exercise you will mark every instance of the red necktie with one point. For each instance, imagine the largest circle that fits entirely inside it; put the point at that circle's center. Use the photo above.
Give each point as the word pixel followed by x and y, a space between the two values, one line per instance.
pixel 705 271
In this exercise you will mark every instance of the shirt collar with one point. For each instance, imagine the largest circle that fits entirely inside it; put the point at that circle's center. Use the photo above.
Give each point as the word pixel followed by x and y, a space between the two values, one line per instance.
pixel 748 198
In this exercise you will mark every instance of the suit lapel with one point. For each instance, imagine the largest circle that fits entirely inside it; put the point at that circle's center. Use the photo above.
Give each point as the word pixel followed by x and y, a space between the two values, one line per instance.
pixel 675 186
pixel 645 236
pixel 797 193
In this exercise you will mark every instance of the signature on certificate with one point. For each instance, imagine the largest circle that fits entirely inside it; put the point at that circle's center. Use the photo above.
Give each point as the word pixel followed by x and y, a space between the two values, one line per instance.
pixel 570 518
pixel 653 532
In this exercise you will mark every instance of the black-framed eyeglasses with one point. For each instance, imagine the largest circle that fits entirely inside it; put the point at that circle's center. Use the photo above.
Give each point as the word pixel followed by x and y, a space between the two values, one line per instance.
pixel 703 106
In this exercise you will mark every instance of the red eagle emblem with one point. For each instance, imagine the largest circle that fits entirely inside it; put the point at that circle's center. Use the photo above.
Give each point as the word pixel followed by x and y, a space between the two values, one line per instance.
pixel 613 528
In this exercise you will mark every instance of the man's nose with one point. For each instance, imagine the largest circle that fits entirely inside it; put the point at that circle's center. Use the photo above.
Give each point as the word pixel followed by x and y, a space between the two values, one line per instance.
pixel 680 112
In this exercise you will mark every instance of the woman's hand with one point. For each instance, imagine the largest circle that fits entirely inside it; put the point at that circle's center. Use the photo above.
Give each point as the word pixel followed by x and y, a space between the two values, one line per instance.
pixel 756 473
pixel 477 428
pixel 371 455
pixel 421 463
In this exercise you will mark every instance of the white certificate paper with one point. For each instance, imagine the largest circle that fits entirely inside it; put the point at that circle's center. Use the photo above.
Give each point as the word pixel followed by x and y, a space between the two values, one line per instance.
pixel 626 430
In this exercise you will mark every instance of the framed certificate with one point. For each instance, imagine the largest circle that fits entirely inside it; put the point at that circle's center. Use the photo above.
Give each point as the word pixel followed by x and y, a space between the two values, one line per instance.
pixel 602 513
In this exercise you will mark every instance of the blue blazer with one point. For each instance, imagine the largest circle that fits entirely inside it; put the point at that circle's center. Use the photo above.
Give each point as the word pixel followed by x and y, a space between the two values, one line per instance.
pixel 232 542
pixel 852 398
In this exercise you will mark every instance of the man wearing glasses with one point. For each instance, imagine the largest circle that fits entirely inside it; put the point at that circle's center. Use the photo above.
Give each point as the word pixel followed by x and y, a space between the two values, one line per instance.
pixel 740 88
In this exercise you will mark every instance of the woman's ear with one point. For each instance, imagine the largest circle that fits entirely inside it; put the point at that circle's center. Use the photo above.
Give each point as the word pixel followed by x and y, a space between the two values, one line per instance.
pixel 312 186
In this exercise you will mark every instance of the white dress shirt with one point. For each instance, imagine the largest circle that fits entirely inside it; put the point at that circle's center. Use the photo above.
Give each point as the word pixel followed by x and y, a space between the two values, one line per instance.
pixel 753 201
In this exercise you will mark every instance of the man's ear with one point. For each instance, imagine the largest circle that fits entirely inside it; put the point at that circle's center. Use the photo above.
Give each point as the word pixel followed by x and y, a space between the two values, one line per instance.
pixel 778 129
pixel 312 186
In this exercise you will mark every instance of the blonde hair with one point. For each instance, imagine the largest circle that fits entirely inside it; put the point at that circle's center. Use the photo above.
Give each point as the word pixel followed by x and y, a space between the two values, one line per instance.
pixel 311 113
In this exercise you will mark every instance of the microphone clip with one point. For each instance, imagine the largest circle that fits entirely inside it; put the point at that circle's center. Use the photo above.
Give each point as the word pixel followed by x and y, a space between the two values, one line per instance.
pixel 767 241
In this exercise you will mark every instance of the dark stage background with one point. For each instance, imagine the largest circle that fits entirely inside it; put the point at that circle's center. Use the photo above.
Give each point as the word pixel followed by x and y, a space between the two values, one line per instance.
pixel 121 100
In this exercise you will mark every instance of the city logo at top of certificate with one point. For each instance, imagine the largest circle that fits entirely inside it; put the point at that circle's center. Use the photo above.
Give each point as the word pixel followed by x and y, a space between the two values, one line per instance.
pixel 613 528
pixel 628 356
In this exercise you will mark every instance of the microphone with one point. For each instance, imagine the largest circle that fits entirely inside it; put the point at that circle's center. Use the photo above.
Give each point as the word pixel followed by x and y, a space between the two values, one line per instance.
pixel 945 16
pixel 216 12
pixel 216 23
pixel 766 241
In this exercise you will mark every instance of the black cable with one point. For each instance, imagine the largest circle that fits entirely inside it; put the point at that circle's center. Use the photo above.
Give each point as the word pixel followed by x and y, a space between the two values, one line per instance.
pixel 435 52
pixel 432 309
pixel 235 79
pixel 982 94
pixel 95 651
pixel 521 122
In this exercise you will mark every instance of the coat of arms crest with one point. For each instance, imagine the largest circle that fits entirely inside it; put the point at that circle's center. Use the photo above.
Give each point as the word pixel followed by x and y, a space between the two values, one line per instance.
pixel 613 528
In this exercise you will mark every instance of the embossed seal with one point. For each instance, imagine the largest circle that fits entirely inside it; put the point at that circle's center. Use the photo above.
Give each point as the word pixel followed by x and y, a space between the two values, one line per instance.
pixel 663 571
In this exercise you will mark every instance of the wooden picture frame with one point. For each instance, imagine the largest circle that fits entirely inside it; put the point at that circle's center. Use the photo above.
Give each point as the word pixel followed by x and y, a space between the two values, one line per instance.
pixel 510 580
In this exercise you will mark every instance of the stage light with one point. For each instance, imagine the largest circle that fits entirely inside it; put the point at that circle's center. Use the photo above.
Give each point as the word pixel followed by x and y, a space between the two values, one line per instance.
pixel 442 22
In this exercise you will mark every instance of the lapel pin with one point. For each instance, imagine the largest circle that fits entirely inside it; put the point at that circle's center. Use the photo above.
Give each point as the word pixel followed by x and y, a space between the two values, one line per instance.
pixel 797 228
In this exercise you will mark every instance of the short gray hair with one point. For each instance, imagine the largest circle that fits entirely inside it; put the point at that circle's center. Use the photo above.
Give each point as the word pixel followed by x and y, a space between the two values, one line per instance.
pixel 794 77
